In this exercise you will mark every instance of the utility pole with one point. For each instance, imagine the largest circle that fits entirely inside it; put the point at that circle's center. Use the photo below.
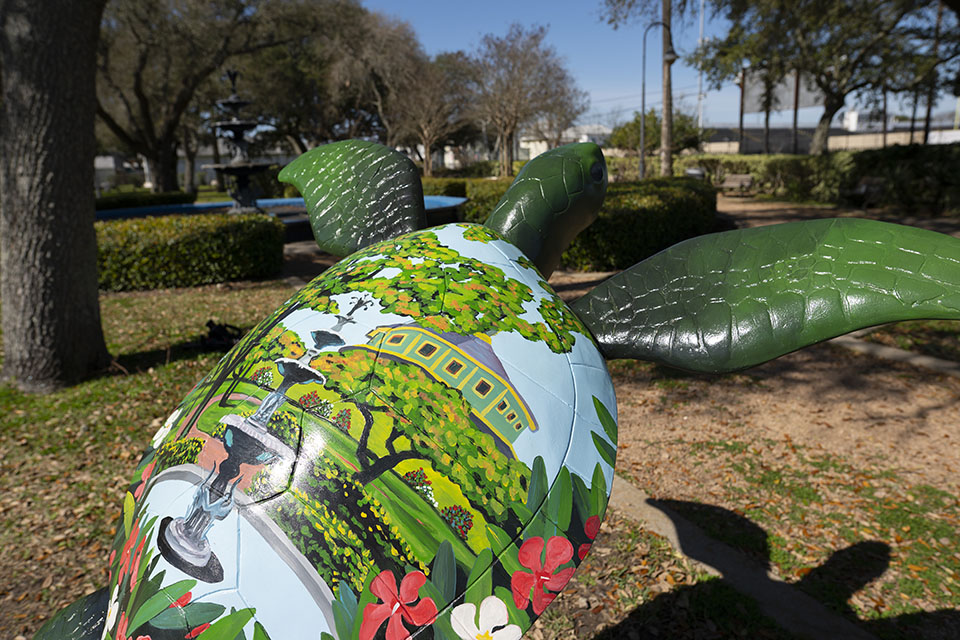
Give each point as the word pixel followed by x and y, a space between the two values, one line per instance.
pixel 700 76
pixel 666 129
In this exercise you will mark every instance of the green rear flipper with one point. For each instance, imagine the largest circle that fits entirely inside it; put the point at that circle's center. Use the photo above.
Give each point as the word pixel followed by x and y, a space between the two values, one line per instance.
pixel 82 620
pixel 732 300
pixel 357 193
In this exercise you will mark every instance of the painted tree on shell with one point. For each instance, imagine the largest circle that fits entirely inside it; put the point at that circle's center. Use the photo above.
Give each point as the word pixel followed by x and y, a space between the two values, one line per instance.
pixel 433 423
pixel 446 291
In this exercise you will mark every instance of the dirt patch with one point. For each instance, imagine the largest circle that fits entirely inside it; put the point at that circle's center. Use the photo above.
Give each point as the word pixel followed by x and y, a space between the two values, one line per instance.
pixel 871 412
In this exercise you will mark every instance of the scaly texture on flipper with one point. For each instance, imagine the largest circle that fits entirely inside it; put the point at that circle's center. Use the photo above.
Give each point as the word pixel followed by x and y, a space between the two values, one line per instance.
pixel 555 196
pixel 357 193
pixel 732 300
pixel 81 620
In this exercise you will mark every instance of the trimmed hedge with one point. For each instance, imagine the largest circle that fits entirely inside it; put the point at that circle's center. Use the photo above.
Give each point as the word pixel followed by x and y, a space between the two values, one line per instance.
pixel 636 220
pixel 143 199
pixel 184 251
pixel 917 177
pixel 482 194
pixel 639 219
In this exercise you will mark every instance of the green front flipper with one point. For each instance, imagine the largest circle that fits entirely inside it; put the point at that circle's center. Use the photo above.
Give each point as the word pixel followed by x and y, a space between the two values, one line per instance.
pixel 732 300
pixel 357 193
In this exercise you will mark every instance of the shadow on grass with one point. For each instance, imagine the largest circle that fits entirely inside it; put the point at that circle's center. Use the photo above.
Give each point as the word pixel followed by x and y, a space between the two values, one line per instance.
pixel 131 363
pixel 714 609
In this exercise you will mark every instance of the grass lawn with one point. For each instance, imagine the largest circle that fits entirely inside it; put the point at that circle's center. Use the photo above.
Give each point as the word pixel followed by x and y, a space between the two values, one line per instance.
pixel 937 338
pixel 66 457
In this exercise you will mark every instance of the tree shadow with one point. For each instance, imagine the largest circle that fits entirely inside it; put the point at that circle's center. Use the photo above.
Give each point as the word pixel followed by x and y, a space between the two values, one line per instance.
pixel 715 609
pixel 131 363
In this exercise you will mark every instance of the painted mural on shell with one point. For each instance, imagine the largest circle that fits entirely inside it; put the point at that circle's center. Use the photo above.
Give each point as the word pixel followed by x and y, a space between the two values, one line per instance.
pixel 420 441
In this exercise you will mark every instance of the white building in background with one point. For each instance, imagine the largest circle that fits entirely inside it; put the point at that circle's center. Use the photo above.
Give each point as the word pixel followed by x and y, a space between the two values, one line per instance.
pixel 530 145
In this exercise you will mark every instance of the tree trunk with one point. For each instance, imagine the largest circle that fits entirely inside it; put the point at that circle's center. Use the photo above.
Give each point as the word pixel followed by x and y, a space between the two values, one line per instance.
pixel 163 167
pixel 218 174
pixel 913 114
pixel 932 87
pixel 48 249
pixel 189 161
pixel 884 117
pixel 189 167
pixel 427 160
pixel 296 142
pixel 766 131
pixel 506 154
pixel 666 126
pixel 818 146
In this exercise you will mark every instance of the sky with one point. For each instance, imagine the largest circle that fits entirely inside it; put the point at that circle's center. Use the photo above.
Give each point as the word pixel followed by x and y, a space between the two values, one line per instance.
pixel 605 62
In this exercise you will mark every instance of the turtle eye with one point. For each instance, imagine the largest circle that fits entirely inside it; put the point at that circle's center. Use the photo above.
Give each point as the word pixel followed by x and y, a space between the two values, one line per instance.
pixel 596 171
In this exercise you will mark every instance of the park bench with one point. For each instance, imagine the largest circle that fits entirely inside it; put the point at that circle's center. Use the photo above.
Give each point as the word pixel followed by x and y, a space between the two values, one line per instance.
pixel 869 191
pixel 742 182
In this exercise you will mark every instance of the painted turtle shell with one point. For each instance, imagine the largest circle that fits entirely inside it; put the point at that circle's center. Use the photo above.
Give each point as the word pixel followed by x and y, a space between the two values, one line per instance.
pixel 421 440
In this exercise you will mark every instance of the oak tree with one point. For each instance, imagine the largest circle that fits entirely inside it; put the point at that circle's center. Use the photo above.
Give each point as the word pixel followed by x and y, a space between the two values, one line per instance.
pixel 51 311
pixel 154 56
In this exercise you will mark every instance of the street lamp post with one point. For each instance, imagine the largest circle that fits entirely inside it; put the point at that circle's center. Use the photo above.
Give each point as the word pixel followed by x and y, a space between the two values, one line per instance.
pixel 669 57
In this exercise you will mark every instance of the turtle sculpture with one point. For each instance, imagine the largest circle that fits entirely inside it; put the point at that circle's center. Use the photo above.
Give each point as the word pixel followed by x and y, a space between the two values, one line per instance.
pixel 421 442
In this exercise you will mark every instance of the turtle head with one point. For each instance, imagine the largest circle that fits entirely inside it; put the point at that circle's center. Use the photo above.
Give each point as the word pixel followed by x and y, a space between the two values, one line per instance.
pixel 555 196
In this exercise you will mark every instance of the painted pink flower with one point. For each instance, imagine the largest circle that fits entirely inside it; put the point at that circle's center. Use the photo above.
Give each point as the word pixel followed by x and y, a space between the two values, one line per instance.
pixel 147 470
pixel 197 631
pixel 182 601
pixel 591 527
pixel 396 605
pixel 543 573
pixel 122 626
pixel 135 567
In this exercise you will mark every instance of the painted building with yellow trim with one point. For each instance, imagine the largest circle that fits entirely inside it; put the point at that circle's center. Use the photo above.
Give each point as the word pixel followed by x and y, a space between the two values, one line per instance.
pixel 468 364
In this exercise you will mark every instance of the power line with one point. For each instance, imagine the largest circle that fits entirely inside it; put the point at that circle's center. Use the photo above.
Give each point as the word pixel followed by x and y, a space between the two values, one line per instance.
pixel 637 95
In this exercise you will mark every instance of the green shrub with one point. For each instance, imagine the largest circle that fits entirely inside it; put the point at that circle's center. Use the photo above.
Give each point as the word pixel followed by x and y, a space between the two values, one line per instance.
pixel 184 251
pixel 482 196
pixel 176 452
pixel 143 199
pixel 916 177
pixel 455 187
pixel 480 169
pixel 639 219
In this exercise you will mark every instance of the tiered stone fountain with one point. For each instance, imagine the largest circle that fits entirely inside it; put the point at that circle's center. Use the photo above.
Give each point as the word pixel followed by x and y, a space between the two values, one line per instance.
pixel 240 168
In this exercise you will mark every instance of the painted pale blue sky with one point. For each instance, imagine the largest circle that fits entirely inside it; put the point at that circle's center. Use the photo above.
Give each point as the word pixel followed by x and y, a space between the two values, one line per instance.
pixel 604 62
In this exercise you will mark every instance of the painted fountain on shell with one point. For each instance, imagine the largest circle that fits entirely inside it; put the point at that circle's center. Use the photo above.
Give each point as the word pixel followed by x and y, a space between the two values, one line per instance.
pixel 240 168
pixel 183 541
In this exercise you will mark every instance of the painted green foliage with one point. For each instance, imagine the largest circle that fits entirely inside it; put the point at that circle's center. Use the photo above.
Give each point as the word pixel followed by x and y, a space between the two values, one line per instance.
pixel 446 291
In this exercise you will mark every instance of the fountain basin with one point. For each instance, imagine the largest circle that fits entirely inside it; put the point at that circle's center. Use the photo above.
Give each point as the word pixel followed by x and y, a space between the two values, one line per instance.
pixel 287 209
